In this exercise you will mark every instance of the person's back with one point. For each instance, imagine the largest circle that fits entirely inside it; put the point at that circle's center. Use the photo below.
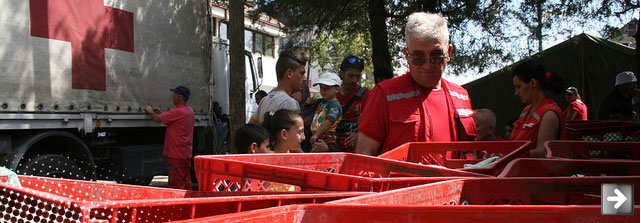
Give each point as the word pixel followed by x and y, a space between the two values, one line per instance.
pixel 274 101
pixel 180 129
pixel 178 137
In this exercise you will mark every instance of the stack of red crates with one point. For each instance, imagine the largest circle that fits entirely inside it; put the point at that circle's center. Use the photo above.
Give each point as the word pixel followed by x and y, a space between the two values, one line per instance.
pixel 467 200
pixel 602 130
pixel 315 171
pixel 41 199
pixel 411 189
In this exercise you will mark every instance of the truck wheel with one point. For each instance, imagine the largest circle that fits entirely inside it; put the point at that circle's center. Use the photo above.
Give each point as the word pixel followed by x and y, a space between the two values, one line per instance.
pixel 51 165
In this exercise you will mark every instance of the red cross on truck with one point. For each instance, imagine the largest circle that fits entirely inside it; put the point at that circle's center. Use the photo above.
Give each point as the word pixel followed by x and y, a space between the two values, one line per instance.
pixel 76 75
pixel 90 27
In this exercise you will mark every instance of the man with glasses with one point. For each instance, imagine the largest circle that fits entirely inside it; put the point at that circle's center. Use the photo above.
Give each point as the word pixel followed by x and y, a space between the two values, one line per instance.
pixel 290 73
pixel 418 106
pixel 352 98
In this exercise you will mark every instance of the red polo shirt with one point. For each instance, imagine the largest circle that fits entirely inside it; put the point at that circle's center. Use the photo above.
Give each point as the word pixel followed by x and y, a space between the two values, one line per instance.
pixel 179 133
pixel 398 111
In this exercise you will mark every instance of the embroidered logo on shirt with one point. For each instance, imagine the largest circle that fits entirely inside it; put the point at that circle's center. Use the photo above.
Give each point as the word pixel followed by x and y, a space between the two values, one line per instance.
pixel 528 125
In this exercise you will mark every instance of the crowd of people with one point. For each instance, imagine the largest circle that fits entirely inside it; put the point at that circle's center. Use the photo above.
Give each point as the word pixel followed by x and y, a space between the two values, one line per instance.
pixel 418 106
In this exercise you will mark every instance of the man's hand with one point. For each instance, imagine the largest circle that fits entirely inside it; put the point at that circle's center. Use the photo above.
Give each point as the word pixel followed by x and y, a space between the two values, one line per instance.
pixel 319 147
pixel 154 114
pixel 148 109
pixel 352 138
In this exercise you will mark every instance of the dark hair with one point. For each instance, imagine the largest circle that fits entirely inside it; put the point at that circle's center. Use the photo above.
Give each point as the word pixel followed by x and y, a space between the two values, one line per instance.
pixel 352 62
pixel 530 69
pixel 248 134
pixel 510 122
pixel 288 60
pixel 261 93
pixel 281 119
pixel 382 73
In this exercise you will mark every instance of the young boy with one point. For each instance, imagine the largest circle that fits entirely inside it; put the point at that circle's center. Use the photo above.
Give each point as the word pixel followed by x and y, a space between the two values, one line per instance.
pixel 251 138
pixel 328 114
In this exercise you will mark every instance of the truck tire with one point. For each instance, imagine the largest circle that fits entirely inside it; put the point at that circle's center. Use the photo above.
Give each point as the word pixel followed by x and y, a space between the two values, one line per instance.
pixel 52 165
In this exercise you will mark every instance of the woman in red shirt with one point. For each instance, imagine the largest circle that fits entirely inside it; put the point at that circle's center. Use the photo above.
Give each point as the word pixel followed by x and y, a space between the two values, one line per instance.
pixel 577 110
pixel 541 120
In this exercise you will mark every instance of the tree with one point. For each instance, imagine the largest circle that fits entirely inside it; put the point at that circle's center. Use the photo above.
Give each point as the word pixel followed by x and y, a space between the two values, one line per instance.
pixel 236 59
pixel 485 33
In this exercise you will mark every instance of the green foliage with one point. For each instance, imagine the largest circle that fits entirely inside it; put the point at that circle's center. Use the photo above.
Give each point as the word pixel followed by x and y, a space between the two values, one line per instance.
pixel 329 49
pixel 486 34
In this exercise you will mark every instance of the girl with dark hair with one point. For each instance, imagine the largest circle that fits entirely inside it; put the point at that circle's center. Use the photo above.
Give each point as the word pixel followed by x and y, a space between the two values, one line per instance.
pixel 541 120
pixel 286 129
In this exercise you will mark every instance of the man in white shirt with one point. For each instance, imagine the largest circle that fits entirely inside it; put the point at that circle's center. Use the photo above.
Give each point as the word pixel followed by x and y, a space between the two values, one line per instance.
pixel 290 72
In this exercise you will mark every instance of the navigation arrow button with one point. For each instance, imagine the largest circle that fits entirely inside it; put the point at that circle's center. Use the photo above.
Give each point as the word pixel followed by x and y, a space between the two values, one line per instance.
pixel 620 198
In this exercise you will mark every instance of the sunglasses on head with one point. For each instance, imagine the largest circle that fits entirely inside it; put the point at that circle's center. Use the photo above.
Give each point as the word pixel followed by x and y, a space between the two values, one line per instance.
pixel 353 60
pixel 434 59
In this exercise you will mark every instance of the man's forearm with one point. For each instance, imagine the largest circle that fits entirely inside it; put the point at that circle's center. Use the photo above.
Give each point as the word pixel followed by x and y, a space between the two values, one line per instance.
pixel 367 146
pixel 153 114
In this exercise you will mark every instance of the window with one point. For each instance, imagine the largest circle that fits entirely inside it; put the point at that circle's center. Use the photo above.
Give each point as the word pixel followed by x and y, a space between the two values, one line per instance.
pixel 249 40
pixel 223 30
pixel 259 43
pixel 269 45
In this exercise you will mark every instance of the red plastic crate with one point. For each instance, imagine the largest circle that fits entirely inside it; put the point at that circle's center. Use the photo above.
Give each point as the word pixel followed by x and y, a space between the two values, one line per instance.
pixel 436 154
pixel 411 214
pixel 527 167
pixel 499 191
pixel 598 130
pixel 320 171
pixel 42 199
pixel 592 150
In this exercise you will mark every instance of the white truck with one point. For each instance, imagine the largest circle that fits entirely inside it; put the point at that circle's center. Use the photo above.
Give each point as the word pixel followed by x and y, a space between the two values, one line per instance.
pixel 76 75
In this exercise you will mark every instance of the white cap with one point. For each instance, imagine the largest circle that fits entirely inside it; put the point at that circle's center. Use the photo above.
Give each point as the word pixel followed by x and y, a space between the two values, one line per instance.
pixel 624 78
pixel 329 79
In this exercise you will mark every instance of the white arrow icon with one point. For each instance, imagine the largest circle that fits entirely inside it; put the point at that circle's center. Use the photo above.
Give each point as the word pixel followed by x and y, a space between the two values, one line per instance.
pixel 620 198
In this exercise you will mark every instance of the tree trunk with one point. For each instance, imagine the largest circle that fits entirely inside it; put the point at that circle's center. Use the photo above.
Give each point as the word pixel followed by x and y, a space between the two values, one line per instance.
pixel 236 68
pixel 378 30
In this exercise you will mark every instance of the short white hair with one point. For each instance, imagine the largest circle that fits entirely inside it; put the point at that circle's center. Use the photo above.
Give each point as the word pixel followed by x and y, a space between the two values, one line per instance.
pixel 426 26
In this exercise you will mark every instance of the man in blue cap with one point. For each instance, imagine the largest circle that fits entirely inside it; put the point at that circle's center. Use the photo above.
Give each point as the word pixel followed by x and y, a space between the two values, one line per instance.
pixel 178 137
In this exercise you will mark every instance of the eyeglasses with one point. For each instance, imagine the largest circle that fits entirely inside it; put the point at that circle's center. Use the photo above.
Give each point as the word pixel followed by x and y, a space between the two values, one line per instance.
pixel 353 60
pixel 434 59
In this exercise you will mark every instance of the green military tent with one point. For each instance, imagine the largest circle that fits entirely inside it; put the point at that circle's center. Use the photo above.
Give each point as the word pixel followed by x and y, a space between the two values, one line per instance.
pixel 584 61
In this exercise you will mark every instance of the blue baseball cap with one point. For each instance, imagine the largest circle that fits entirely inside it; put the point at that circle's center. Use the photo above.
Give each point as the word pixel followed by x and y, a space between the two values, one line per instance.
pixel 181 90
